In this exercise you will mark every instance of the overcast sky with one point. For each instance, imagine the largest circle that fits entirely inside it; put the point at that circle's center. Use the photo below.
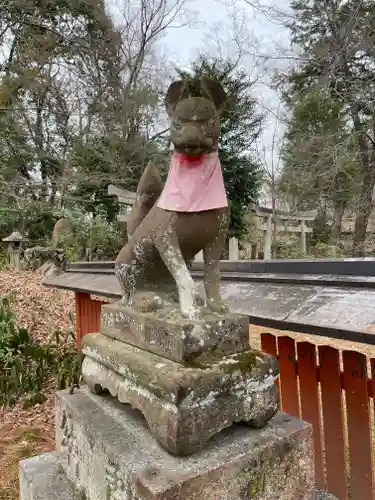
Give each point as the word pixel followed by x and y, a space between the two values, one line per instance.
pixel 219 28
pixel 184 42
pixel 261 37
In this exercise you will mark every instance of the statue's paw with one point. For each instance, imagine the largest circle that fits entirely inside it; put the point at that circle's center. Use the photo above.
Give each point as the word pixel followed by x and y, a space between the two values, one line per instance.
pixel 124 300
pixel 192 313
pixel 218 306
pixel 127 300
pixel 189 309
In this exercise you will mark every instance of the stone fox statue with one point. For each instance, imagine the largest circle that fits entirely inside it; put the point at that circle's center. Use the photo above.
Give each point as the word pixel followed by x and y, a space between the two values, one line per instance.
pixel 171 224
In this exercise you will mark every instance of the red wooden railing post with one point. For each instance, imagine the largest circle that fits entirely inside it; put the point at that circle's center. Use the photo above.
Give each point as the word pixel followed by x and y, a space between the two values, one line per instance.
pixel 333 421
pixel 87 316
pixel 80 315
pixel 269 346
pixel 359 425
pixel 310 407
pixel 301 377
pixel 288 376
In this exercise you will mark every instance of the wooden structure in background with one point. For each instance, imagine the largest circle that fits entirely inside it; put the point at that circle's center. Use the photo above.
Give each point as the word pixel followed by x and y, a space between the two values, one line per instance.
pixel 14 241
pixel 285 222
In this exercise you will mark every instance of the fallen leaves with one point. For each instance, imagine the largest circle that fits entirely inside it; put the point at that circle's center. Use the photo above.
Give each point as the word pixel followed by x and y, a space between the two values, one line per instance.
pixel 40 309
pixel 27 432
pixel 15 445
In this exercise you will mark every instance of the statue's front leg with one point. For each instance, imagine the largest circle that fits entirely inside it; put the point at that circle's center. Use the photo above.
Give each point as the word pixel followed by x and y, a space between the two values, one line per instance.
pixel 211 254
pixel 166 242
pixel 125 273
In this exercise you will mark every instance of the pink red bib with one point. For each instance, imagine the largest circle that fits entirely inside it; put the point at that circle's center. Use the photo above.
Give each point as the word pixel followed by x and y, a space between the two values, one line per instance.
pixel 194 185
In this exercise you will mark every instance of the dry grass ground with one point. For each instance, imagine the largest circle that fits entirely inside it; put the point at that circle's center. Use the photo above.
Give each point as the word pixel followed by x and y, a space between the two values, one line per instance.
pixel 15 444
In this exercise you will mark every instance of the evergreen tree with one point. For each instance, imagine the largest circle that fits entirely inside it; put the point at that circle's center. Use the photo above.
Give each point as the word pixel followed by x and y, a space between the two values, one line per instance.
pixel 240 127
pixel 319 157
pixel 337 44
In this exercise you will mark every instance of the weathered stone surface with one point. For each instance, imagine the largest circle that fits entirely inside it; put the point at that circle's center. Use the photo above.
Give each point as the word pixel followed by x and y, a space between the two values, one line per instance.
pixel 168 334
pixel 324 495
pixel 184 405
pixel 118 459
pixel 36 257
pixel 44 478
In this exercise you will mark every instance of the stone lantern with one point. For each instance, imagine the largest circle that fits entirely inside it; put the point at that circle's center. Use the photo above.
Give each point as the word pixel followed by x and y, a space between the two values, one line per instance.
pixel 14 241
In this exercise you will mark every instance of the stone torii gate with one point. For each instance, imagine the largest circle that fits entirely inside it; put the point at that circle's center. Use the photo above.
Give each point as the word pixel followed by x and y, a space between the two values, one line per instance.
pixel 266 221
pixel 126 200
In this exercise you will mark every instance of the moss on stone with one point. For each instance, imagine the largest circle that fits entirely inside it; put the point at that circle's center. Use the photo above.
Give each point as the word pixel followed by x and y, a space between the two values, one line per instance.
pixel 243 362
pixel 81 494
pixel 257 485
pixel 196 363
pixel 253 483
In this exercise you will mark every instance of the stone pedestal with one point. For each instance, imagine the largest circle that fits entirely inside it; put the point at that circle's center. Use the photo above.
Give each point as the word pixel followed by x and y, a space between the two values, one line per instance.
pixel 190 379
pixel 184 404
pixel 207 426
pixel 167 333
pixel 105 452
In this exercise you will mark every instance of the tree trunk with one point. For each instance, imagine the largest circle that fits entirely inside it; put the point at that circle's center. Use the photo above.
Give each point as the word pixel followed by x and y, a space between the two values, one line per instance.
pixel 364 210
pixel 366 204
pixel 274 230
pixel 337 222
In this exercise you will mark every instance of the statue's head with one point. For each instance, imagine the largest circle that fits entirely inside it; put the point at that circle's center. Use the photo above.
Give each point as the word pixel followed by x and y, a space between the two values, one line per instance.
pixel 195 121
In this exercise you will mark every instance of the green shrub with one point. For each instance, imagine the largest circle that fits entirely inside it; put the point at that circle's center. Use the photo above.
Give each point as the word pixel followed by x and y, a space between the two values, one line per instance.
pixel 325 251
pixel 287 250
pixel 34 219
pixel 26 366
pixel 102 237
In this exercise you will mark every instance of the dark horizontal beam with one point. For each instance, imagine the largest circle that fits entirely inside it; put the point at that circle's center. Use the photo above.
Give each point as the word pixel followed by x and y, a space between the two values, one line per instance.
pixel 338 267
pixel 296 279
pixel 295 268
pixel 102 267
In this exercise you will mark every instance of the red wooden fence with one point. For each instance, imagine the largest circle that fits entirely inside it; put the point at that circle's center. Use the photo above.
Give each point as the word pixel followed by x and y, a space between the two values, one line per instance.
pixel 312 387
pixel 337 404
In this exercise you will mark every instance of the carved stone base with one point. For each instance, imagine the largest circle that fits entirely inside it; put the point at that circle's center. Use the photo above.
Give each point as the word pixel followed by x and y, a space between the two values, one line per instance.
pixel 184 405
pixel 105 452
pixel 167 333
pixel 118 459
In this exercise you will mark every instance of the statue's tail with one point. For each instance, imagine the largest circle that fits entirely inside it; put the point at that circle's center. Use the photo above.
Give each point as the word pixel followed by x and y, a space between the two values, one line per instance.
pixel 148 191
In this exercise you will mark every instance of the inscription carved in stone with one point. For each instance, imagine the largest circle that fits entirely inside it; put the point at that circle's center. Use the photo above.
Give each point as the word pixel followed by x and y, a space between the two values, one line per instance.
pixel 118 486
pixel 144 332
pixel 69 442
pixel 179 339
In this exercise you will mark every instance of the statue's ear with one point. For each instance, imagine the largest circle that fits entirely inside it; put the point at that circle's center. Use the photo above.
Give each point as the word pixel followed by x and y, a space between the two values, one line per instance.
pixel 215 92
pixel 176 92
